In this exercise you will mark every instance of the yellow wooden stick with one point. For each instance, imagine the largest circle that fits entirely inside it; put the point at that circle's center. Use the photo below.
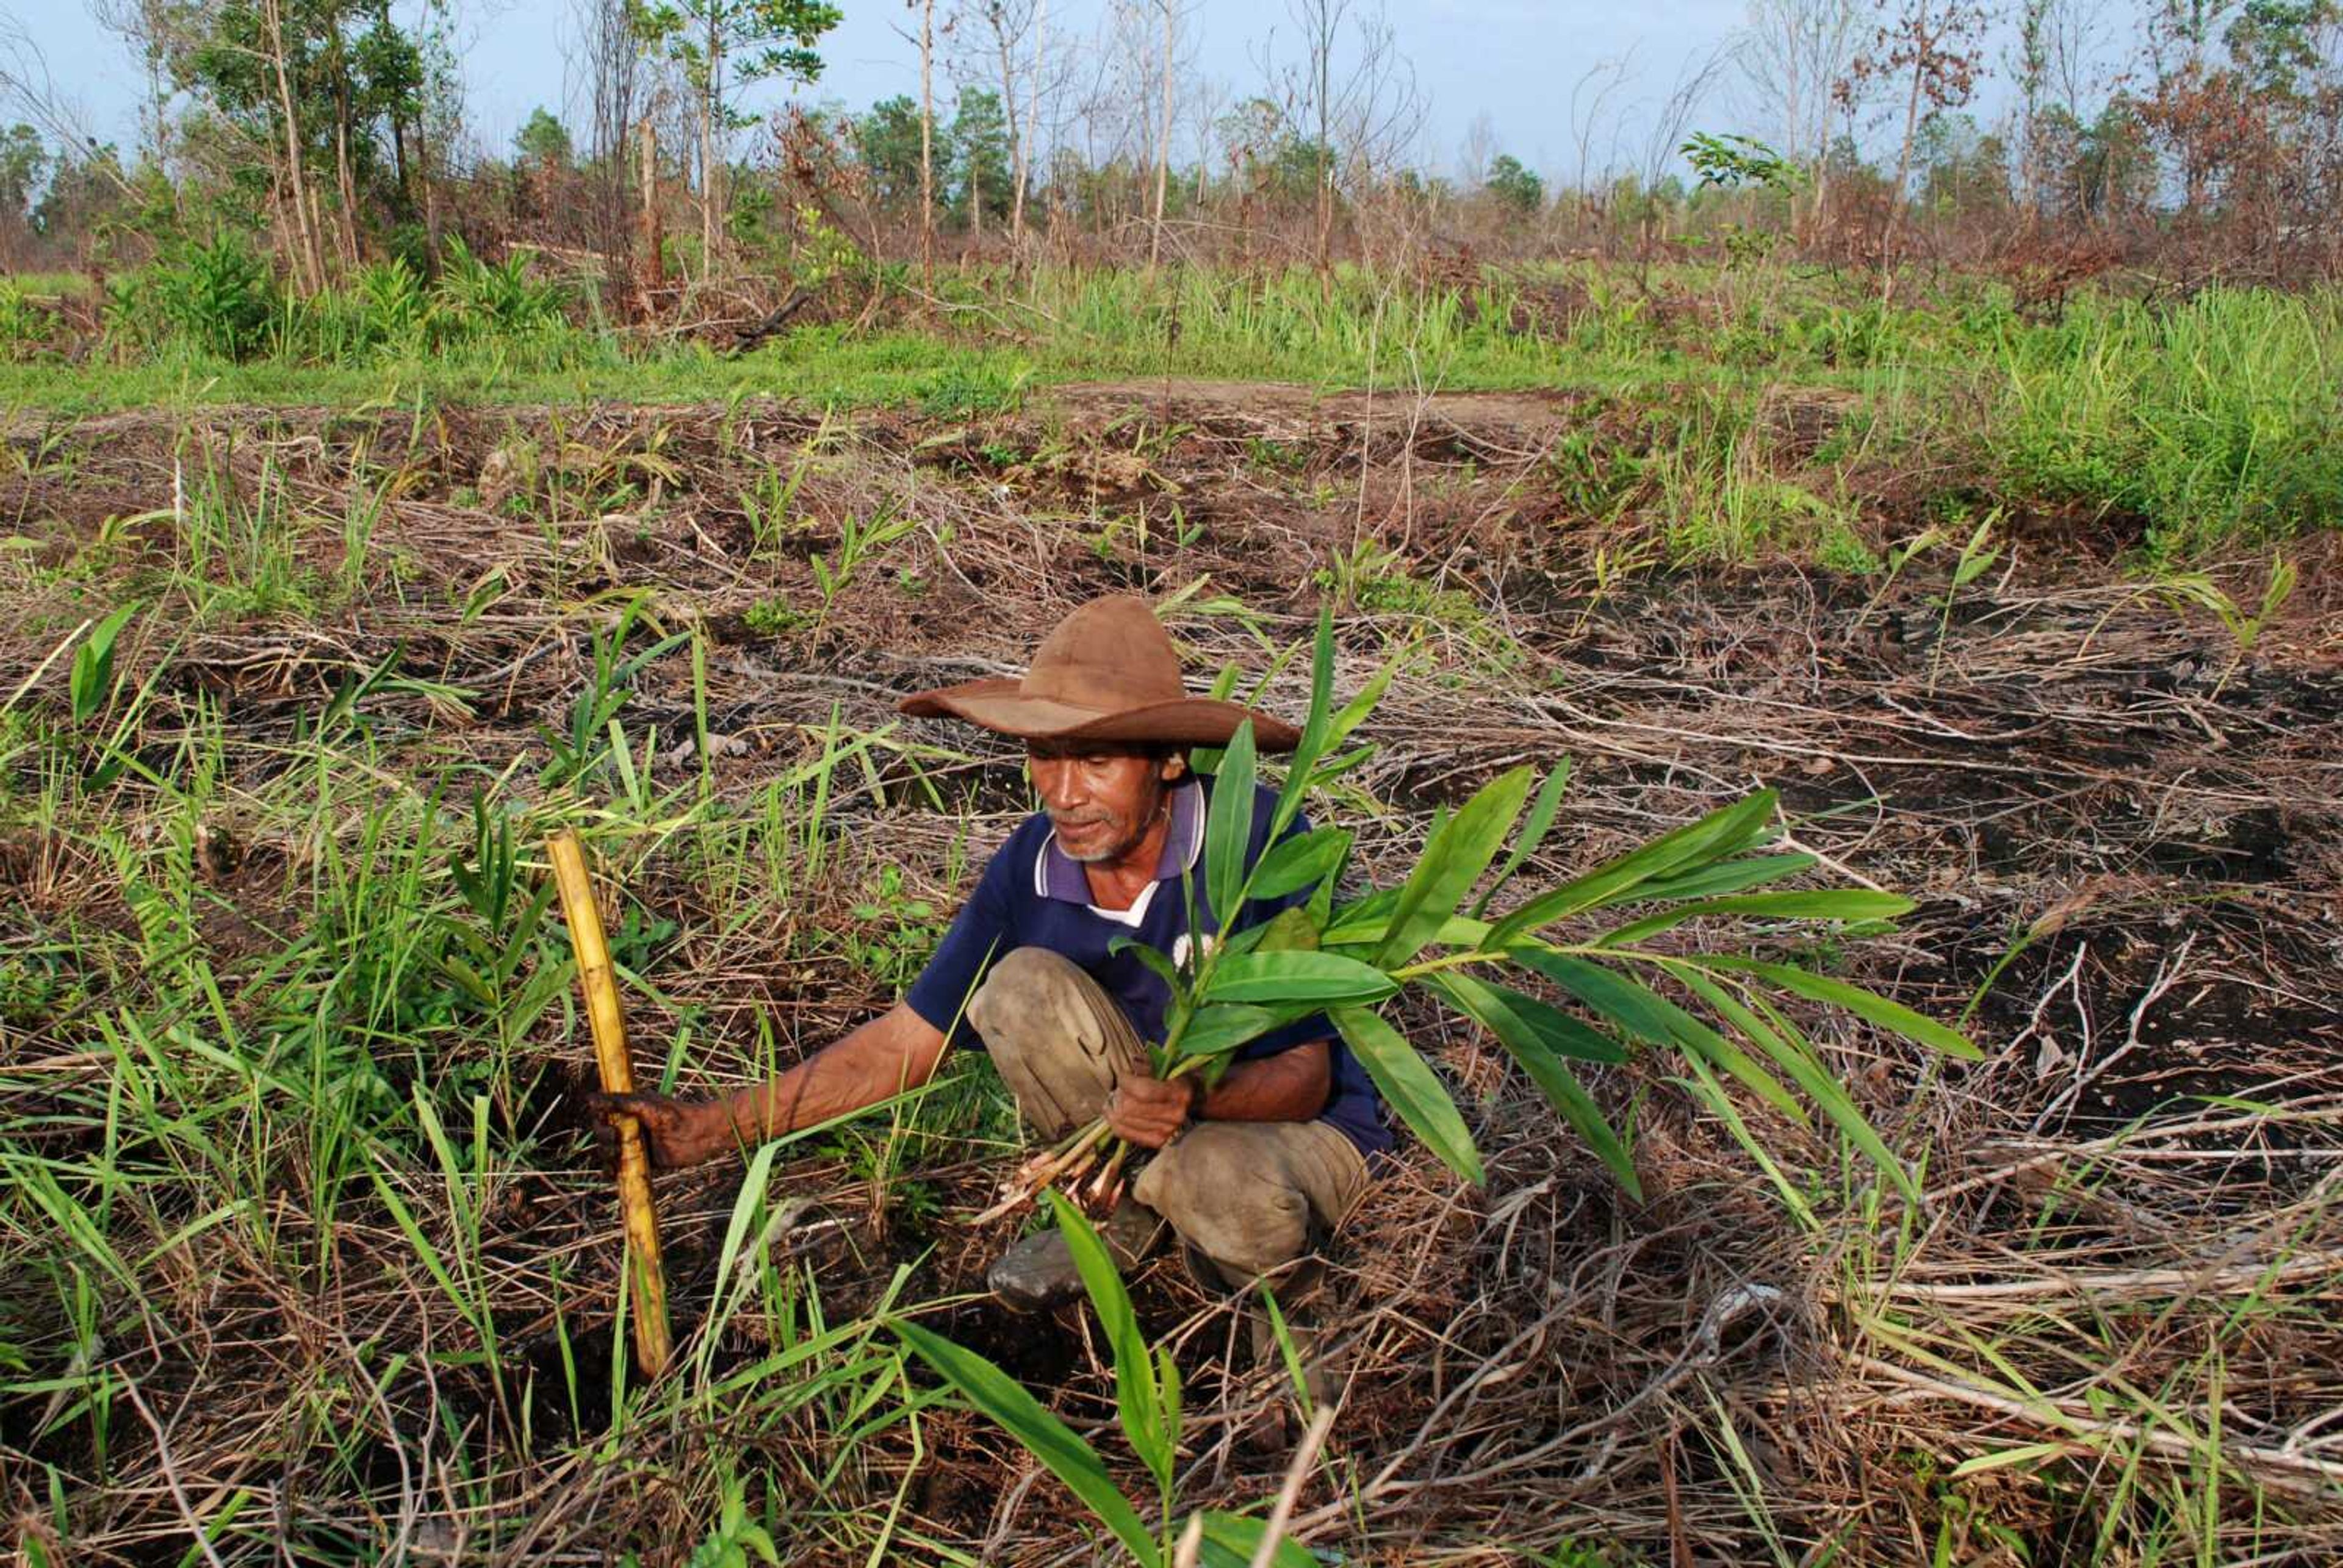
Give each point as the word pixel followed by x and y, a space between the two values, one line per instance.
pixel 599 984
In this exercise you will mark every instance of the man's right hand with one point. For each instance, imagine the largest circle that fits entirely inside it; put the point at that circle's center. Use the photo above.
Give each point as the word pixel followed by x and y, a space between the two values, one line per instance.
pixel 677 1132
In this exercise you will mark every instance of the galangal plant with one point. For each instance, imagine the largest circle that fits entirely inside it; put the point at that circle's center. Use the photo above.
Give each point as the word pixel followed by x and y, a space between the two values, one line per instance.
pixel 1147 1402
pixel 1725 1014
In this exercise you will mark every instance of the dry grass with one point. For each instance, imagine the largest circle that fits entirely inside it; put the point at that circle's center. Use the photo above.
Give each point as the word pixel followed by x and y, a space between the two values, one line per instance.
pixel 2106 1333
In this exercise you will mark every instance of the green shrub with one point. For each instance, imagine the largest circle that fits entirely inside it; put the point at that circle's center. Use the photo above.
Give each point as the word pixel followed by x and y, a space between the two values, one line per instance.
pixel 217 296
pixel 25 325
pixel 497 299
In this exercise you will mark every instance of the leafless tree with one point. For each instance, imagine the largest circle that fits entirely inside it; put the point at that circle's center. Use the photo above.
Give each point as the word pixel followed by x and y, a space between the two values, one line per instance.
pixel 1937 45
pixel 1479 148
pixel 147 28
pixel 1167 68
pixel 1354 96
pixel 606 51
pixel 992 35
pixel 1590 99
pixel 1793 55
pixel 927 143
pixel 1695 79
pixel 26 83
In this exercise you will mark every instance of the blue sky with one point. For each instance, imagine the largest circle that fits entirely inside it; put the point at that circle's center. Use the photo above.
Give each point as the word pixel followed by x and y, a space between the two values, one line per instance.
pixel 1515 60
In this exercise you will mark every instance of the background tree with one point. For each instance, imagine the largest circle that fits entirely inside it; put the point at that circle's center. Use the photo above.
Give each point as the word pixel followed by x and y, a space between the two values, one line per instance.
pixel 1354 101
pixel 886 141
pixel 995 34
pixel 1516 190
pixel 1933 46
pixel 23 166
pixel 1792 55
pixel 978 143
pixel 720 45
pixel 606 52
pixel 543 140
pixel 330 91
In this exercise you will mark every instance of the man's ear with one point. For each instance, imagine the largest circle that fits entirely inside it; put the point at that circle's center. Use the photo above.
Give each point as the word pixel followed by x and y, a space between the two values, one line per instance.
pixel 1174 768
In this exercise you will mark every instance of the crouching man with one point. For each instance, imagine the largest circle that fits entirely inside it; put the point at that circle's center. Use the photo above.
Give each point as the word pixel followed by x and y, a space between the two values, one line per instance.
pixel 1248 1172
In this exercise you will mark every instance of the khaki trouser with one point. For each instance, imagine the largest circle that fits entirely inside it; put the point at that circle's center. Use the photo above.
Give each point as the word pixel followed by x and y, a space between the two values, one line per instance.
pixel 1243 1193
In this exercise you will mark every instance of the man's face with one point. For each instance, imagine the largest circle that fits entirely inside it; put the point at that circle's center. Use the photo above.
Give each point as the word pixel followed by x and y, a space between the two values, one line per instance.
pixel 1101 800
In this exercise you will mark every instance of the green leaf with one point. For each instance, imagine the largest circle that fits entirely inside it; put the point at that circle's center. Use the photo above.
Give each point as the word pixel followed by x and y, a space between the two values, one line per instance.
pixel 1553 1077
pixel 1703 1086
pixel 1288 931
pixel 1644 1013
pixel 1228 827
pixel 1301 862
pixel 1224 1026
pixel 1410 1087
pixel 91 680
pixel 1508 1013
pixel 1134 1367
pixel 1725 877
pixel 1167 1405
pixel 1297 977
pixel 1361 921
pixel 1821 904
pixel 1460 849
pixel 1300 772
pixel 1723 832
pixel 1354 712
pixel 1795 1056
pixel 1043 1435
pixel 1870 1005
pixel 1533 833
pixel 1157 963
pixel 1233 1540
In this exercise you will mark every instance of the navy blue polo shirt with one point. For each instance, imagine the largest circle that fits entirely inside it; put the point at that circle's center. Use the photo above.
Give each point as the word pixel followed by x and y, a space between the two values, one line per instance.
pixel 1034 895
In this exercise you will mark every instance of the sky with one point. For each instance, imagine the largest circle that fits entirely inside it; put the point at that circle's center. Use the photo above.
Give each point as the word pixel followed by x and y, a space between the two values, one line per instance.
pixel 1515 60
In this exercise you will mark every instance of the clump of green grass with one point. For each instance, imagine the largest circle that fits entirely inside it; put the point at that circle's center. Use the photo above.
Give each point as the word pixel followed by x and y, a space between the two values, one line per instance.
pixel 2215 421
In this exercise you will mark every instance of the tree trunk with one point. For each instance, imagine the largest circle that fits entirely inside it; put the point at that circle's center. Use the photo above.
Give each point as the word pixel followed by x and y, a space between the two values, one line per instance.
pixel 350 196
pixel 708 176
pixel 1016 140
pixel 650 274
pixel 337 62
pixel 1032 122
pixel 1324 46
pixel 310 259
pixel 1903 167
pixel 1163 139
pixel 927 146
pixel 430 194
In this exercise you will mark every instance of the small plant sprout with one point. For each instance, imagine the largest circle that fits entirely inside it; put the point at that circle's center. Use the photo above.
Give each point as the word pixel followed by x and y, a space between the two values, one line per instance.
pixel 90 685
pixel 1147 1407
pixel 1977 558
pixel 2245 628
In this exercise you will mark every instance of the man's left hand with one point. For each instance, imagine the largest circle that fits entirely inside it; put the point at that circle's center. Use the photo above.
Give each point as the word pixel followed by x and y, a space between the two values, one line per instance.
pixel 1152 1112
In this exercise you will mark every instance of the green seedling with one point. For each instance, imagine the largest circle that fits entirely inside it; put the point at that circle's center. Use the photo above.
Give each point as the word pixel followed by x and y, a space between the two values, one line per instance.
pixel 1147 1405
pixel 90 685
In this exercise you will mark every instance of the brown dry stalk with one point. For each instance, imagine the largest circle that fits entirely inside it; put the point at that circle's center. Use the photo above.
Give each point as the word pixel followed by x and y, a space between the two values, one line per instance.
pixel 2296 1473
pixel 595 979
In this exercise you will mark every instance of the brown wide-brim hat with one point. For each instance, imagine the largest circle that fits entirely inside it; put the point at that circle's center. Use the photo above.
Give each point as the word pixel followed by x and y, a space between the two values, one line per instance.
pixel 1109 672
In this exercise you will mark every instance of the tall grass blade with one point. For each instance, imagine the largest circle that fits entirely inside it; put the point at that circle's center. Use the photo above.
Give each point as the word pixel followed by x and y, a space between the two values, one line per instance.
pixel 1063 1453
